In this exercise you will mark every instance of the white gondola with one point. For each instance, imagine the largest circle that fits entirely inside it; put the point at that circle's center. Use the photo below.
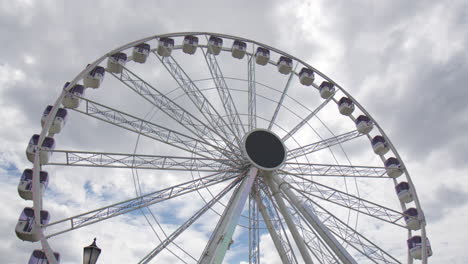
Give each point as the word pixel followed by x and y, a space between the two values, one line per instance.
pixel 306 76
pixel 326 89
pixel 379 145
pixel 238 49
pixel 39 257
pixel 165 46
pixel 116 62
pixel 393 167
pixel 345 106
pixel 59 120
pixel 404 193
pixel 190 44
pixel 141 52
pixel 285 65
pixel 44 155
pixel 262 56
pixel 26 229
pixel 25 184
pixel 415 247
pixel 71 99
pixel 94 78
pixel 364 124
pixel 215 45
pixel 412 219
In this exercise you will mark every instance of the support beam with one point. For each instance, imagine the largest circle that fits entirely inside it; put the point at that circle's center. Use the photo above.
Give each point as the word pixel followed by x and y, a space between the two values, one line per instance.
pixel 319 227
pixel 222 236
pixel 287 217
pixel 252 93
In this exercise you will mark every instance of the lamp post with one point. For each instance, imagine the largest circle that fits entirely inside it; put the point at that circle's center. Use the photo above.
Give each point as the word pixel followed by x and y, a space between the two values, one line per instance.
pixel 91 253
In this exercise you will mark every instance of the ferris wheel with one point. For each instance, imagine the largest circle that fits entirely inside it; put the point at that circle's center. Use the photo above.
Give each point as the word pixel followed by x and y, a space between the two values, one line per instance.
pixel 269 148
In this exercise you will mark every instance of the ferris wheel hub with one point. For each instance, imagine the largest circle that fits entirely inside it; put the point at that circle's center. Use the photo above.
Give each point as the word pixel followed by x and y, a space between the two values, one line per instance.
pixel 264 149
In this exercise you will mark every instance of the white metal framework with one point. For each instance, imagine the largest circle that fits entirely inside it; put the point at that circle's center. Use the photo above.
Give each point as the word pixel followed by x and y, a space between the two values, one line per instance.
pixel 269 148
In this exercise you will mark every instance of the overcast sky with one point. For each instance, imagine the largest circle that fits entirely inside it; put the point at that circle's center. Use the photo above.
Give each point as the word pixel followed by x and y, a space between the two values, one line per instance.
pixel 404 61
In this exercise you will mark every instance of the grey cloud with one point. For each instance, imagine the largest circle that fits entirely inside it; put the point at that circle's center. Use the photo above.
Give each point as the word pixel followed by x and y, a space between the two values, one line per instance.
pixel 444 202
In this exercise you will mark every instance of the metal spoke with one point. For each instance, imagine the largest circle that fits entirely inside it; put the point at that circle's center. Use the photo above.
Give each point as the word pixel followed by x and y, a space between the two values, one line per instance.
pixel 224 94
pixel 348 201
pixel 221 239
pixel 172 109
pixel 170 239
pixel 252 93
pixel 326 143
pixel 198 99
pixel 138 161
pixel 149 129
pixel 145 200
pixel 311 169
pixel 349 235
pixel 306 119
pixel 280 102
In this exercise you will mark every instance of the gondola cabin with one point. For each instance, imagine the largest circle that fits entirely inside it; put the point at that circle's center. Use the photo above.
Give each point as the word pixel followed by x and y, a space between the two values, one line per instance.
pixel 59 120
pixel 326 89
pixel 393 167
pixel 284 65
pixel 262 56
pixel 412 219
pixel 190 45
pixel 25 184
pixel 415 247
pixel 44 155
pixel 215 45
pixel 39 257
pixel 306 76
pixel 116 62
pixel 238 49
pixel 141 52
pixel 71 99
pixel 165 47
pixel 26 229
pixel 404 193
pixel 379 145
pixel 364 124
pixel 94 78
pixel 345 106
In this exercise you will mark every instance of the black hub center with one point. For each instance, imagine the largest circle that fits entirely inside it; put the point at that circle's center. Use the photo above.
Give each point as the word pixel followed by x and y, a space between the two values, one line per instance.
pixel 264 149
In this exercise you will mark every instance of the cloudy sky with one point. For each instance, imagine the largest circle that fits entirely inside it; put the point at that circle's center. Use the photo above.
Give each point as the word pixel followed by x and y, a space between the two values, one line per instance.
pixel 404 61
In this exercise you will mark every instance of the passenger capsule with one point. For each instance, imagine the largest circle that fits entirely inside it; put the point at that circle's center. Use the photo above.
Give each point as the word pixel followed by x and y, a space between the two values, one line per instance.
pixel 306 76
pixel 364 124
pixel 262 56
pixel 26 229
pixel 141 52
pixel 412 219
pixel 345 106
pixel 215 45
pixel 238 49
pixel 190 44
pixel 59 120
pixel 116 62
pixel 393 167
pixel 44 155
pixel 379 145
pixel 415 247
pixel 39 257
pixel 25 184
pixel 71 99
pixel 94 78
pixel 285 65
pixel 326 89
pixel 165 46
pixel 404 193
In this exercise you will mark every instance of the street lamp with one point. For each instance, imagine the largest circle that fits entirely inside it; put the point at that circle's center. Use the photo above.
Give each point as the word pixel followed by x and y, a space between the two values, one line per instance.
pixel 91 253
